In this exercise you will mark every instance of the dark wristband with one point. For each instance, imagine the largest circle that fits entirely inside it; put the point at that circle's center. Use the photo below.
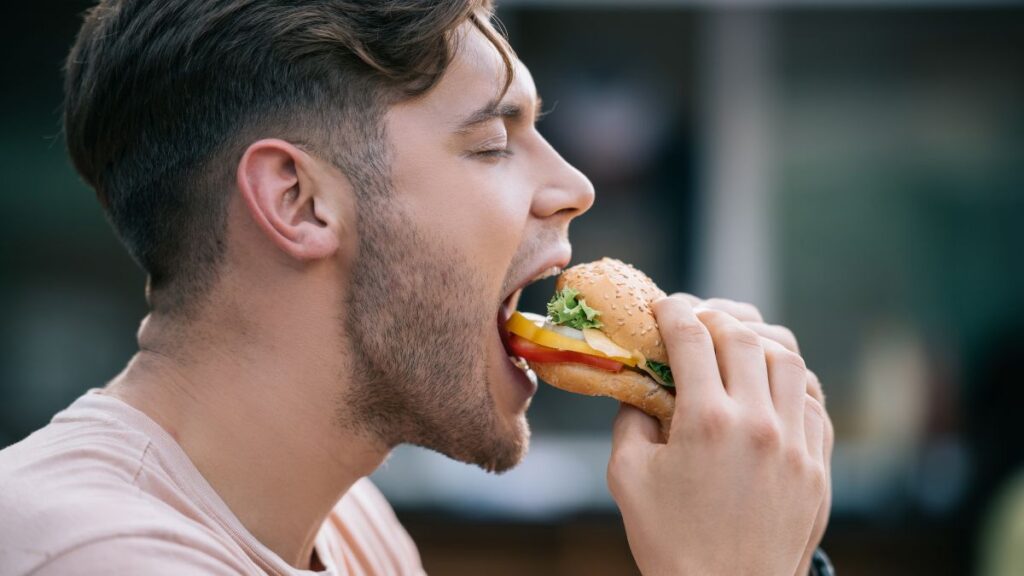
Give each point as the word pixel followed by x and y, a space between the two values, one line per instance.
pixel 821 565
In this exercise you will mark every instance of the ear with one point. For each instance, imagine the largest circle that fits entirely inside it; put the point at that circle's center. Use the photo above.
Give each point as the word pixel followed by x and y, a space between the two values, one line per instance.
pixel 291 199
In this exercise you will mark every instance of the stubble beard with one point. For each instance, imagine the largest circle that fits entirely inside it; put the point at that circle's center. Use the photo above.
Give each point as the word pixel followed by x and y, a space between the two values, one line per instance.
pixel 417 324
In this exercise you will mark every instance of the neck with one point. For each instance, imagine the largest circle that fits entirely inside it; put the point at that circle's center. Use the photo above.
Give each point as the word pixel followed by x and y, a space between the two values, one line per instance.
pixel 260 420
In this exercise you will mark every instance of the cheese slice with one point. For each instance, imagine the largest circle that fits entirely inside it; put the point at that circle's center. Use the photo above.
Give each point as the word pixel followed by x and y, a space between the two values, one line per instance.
pixel 532 328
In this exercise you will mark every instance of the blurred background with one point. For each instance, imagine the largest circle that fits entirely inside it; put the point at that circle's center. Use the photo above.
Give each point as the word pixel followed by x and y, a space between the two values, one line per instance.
pixel 855 168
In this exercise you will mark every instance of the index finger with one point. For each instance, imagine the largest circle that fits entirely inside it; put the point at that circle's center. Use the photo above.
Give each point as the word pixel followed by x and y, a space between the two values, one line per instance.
pixel 691 352
pixel 739 310
pixel 693 300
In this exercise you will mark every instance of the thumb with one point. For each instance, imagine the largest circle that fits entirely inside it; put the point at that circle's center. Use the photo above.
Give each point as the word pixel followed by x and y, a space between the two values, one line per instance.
pixel 633 427
pixel 634 434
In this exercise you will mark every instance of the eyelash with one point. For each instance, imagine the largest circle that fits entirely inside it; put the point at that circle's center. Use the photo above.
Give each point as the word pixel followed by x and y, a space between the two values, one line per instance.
pixel 497 153
pixel 494 153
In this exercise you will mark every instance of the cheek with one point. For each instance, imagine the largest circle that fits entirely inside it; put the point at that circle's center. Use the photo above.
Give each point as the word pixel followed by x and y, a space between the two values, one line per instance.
pixel 474 207
pixel 494 219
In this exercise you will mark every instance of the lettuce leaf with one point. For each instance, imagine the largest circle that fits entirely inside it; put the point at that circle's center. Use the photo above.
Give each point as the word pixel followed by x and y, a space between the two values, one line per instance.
pixel 565 309
pixel 663 371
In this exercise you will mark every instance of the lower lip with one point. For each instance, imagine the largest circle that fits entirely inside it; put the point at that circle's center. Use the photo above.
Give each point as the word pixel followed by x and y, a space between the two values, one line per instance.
pixel 526 380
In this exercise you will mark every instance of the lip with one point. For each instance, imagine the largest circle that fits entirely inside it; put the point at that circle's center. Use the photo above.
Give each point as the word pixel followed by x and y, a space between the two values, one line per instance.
pixel 509 303
pixel 558 259
pixel 523 379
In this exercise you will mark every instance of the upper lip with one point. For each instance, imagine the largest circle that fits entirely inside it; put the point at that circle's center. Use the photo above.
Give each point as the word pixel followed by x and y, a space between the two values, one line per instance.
pixel 559 259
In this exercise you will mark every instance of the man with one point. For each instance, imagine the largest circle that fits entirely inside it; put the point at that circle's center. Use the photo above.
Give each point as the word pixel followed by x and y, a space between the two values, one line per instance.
pixel 332 200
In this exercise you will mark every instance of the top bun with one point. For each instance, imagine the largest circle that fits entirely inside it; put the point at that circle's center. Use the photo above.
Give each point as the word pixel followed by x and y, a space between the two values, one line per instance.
pixel 623 295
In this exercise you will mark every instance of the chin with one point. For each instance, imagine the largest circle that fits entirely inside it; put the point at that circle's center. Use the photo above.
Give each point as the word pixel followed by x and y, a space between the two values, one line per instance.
pixel 511 450
pixel 505 445
pixel 488 429
pixel 510 430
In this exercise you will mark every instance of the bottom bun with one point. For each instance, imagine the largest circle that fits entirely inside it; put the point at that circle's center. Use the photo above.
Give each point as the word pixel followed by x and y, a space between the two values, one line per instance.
pixel 626 386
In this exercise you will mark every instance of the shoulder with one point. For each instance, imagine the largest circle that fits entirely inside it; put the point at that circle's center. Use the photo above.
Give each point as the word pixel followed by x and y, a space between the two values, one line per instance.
pixel 70 492
pixel 138 554
pixel 81 446
pixel 103 531
pixel 108 529
pixel 52 531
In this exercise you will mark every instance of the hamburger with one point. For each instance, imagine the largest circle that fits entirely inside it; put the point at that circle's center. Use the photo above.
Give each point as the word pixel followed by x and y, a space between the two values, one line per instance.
pixel 599 338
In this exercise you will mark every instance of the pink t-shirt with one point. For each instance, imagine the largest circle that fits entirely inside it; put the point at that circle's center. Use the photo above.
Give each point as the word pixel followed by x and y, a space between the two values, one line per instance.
pixel 103 489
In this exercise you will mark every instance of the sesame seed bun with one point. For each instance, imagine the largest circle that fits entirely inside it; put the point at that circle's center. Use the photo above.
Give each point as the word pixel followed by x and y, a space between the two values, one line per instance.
pixel 623 295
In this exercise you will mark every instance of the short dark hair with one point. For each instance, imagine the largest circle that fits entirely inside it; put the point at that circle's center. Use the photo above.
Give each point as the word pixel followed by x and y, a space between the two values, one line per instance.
pixel 162 98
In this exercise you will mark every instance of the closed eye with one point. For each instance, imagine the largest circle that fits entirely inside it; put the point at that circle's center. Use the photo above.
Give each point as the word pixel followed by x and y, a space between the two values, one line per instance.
pixel 492 148
pixel 494 153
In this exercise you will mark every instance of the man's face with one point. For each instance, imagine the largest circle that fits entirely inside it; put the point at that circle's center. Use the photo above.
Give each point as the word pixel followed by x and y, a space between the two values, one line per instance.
pixel 479 206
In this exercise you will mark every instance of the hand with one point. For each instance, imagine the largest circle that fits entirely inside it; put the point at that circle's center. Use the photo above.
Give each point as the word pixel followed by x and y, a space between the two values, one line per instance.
pixel 738 486
pixel 751 317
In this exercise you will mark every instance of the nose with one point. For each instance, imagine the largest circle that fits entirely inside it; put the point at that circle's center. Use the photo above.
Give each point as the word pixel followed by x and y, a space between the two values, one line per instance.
pixel 564 191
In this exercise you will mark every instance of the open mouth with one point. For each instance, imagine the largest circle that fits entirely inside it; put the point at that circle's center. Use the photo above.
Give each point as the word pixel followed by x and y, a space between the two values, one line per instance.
pixel 508 306
pixel 504 313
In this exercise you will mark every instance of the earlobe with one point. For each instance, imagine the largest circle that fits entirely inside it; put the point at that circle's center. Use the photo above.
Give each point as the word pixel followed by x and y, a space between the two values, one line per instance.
pixel 286 196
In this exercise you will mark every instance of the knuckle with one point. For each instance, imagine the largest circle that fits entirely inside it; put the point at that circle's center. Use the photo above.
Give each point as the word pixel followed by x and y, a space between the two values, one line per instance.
pixel 616 474
pixel 740 335
pixel 817 479
pixel 689 298
pixel 796 459
pixel 814 387
pixel 624 465
pixel 787 360
pixel 717 303
pixel 663 310
pixel 712 316
pixel 688 332
pixel 712 422
pixel 615 484
pixel 750 311
pixel 765 433
pixel 740 310
pixel 669 305
pixel 786 337
pixel 814 408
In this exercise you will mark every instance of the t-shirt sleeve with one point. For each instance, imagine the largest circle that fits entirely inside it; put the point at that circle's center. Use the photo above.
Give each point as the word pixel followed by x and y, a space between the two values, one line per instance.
pixel 131 555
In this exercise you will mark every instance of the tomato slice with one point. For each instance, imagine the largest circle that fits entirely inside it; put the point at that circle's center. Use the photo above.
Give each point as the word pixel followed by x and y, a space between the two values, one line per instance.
pixel 523 326
pixel 534 352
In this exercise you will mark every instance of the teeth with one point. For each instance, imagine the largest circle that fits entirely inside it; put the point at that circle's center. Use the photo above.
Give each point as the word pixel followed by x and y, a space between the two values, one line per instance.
pixel 553 271
pixel 522 365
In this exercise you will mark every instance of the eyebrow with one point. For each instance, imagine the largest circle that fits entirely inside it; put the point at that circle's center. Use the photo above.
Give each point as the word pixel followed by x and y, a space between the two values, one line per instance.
pixel 494 110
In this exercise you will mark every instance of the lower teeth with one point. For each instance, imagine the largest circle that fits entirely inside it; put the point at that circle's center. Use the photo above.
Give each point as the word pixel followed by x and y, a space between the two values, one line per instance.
pixel 522 365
